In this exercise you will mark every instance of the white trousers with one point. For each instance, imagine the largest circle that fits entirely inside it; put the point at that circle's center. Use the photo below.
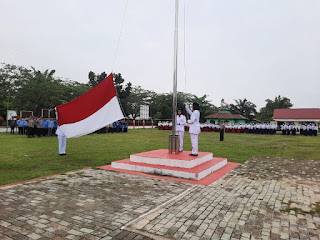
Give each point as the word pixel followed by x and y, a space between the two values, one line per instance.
pixel 194 143
pixel 181 135
pixel 62 144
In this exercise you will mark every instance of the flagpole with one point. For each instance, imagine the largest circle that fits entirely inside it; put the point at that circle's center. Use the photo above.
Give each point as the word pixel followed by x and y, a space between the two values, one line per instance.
pixel 173 139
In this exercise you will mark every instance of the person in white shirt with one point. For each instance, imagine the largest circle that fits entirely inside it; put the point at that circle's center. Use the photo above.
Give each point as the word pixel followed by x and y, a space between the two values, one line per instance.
pixel 194 129
pixel 180 124
pixel 315 129
pixel 62 141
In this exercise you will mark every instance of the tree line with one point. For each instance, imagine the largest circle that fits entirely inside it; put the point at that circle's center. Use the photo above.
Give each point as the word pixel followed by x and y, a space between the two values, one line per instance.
pixel 29 89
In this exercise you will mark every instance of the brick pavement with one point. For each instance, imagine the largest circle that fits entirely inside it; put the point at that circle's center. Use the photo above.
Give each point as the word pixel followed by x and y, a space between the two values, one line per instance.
pixel 89 204
pixel 265 198
pixel 269 198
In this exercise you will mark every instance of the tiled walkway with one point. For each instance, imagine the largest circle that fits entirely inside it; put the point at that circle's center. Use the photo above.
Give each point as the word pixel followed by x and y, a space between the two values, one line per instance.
pixel 268 198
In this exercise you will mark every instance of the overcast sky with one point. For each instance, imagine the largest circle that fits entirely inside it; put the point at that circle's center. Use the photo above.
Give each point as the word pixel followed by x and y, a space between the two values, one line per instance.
pixel 234 49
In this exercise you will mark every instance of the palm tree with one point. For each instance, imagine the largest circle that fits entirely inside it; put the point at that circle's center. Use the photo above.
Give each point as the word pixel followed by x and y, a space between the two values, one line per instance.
pixel 244 108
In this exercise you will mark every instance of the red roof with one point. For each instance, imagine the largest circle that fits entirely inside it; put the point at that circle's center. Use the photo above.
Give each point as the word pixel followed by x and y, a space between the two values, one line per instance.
pixel 220 115
pixel 298 113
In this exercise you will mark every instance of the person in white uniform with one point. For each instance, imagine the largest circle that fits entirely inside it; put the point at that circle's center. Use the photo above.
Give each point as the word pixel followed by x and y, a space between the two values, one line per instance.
pixel 180 123
pixel 194 129
pixel 62 141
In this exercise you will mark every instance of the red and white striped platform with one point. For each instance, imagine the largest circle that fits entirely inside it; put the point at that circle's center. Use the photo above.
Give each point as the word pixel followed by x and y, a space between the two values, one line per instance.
pixel 199 169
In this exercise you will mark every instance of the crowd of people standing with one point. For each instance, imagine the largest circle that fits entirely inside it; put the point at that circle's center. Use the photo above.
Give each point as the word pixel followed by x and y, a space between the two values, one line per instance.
pixel 304 128
pixel 255 128
pixel 117 127
pixel 33 126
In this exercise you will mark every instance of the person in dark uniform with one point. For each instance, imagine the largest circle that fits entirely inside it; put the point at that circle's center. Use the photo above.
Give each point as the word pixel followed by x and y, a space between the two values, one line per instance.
pixel 30 127
pixel 287 129
pixel 117 126
pixel 39 124
pixel 12 125
pixel 221 131
pixel 125 127
pixel 283 129
pixel 315 130
pixel 309 130
pixel 293 129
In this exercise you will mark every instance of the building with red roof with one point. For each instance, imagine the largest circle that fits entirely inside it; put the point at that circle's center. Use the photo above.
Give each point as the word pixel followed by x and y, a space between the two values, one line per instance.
pixel 297 115
pixel 225 116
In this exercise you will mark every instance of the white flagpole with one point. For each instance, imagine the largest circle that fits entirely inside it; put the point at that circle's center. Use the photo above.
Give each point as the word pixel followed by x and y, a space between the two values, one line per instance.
pixel 173 142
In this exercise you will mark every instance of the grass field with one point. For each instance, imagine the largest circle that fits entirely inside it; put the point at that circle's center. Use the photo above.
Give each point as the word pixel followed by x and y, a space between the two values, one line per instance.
pixel 23 158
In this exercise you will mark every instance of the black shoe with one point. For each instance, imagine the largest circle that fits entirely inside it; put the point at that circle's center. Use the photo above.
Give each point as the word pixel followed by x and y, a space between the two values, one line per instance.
pixel 181 151
pixel 62 154
pixel 193 154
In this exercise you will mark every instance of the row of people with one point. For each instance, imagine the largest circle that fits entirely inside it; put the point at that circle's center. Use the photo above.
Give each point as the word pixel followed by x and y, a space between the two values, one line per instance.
pixel 261 128
pixel 229 128
pixel 118 127
pixel 305 129
pixel 204 127
pixel 286 129
pixel 309 129
pixel 34 126
pixel 256 128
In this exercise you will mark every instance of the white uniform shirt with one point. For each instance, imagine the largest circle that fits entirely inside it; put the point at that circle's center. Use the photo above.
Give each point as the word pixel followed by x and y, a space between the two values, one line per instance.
pixel 59 132
pixel 194 121
pixel 181 122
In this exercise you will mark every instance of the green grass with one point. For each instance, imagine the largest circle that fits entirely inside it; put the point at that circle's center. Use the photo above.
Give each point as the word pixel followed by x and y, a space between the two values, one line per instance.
pixel 23 158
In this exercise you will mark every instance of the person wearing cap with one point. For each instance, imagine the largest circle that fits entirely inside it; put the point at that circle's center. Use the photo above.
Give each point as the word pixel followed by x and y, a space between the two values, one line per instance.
pixel 194 129
pixel 180 123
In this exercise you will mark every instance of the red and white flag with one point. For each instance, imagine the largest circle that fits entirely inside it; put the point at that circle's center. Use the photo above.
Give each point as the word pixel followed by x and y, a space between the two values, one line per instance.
pixel 91 111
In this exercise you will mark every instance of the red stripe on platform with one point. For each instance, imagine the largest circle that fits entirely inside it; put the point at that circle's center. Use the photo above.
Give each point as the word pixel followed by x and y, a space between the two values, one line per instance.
pixel 164 154
pixel 9 184
pixel 211 178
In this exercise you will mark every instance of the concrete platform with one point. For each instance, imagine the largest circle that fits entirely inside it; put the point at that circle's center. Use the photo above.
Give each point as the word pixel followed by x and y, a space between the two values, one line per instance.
pixel 177 166
pixel 211 178
pixel 196 173
pixel 163 157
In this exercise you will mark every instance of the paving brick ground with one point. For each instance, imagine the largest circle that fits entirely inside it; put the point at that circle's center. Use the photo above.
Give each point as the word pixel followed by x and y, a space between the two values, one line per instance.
pixel 269 198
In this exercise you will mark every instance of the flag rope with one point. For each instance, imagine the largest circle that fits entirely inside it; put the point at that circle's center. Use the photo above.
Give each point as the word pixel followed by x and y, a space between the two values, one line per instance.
pixel 184 48
pixel 121 29
pixel 116 54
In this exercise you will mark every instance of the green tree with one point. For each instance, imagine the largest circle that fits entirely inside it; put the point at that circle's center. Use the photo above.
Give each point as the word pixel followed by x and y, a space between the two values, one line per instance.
pixel 278 102
pixel 244 108
pixel 38 90
pixel 266 113
pixel 138 97
pixel 92 79
pixel 123 92
pixel 224 104
pixel 71 90
pixel 31 89
pixel 206 108
pixel 162 103
pixel 9 76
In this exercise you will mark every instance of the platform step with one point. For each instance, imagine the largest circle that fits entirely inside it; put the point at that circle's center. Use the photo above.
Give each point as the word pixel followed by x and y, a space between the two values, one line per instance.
pixel 196 173
pixel 163 157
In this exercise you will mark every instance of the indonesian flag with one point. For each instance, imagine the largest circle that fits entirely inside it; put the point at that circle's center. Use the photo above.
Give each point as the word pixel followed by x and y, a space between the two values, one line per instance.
pixel 91 111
